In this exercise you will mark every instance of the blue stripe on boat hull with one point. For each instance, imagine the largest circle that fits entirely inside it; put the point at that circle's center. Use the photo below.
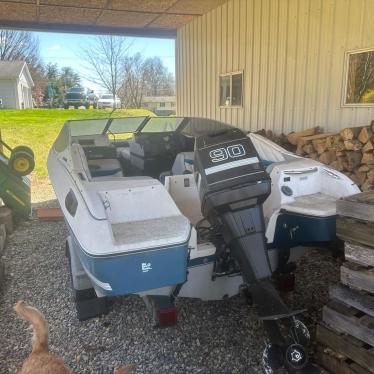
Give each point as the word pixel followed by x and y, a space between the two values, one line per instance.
pixel 136 272
pixel 297 229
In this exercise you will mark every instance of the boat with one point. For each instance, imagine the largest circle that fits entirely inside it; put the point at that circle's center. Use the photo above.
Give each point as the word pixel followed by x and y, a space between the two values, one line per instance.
pixel 167 207
pixel 301 209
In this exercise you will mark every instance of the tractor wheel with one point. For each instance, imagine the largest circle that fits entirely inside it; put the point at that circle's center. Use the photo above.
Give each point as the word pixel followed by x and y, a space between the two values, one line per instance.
pixel 21 162
pixel 24 149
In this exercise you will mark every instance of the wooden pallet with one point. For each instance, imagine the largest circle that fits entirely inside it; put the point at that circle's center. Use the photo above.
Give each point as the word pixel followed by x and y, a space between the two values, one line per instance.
pixel 360 206
pixel 347 346
pixel 331 361
pixel 357 276
pixel 359 254
pixel 354 230
pixel 360 300
pixel 349 320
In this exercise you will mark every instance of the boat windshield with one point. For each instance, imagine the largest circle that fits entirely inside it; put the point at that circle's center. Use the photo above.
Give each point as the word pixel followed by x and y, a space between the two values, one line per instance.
pixel 196 127
pixel 105 125
pixel 162 124
pixel 189 126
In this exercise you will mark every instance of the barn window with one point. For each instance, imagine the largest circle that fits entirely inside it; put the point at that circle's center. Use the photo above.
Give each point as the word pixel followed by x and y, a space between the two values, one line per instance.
pixel 231 90
pixel 360 78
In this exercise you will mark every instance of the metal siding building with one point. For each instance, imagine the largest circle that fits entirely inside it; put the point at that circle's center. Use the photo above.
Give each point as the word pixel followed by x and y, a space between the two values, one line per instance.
pixel 292 54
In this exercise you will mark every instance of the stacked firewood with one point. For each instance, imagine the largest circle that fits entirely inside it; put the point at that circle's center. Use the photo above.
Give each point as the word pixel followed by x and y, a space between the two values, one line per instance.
pixel 350 151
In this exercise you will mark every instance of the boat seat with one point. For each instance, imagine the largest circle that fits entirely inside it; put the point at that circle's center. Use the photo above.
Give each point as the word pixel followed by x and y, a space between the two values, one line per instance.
pixel 318 204
pixel 105 167
pixel 183 163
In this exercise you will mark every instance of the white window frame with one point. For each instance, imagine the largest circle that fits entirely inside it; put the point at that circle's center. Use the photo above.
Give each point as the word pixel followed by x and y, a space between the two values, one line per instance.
pixel 344 104
pixel 219 89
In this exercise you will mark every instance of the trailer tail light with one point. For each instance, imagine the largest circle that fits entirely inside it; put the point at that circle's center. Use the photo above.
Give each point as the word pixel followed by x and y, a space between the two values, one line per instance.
pixel 167 316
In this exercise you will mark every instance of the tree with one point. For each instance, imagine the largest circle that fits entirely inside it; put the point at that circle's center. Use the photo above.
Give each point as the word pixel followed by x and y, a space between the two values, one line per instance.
pixel 24 46
pixel 104 58
pixel 58 82
pixel 360 82
pixel 144 77
pixel 133 86
pixel 160 82
pixel 69 78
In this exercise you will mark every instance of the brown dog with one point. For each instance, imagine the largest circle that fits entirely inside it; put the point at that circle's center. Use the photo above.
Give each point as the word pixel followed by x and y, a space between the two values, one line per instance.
pixel 40 360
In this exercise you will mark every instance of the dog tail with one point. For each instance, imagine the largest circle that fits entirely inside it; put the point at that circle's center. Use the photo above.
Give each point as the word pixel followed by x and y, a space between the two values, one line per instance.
pixel 127 369
pixel 38 323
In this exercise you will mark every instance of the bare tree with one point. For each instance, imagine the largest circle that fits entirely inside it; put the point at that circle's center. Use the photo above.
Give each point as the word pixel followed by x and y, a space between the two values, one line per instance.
pixel 24 46
pixel 144 77
pixel 133 85
pixel 19 45
pixel 104 59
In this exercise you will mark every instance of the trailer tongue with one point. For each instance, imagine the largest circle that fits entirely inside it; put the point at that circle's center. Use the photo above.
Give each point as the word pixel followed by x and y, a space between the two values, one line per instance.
pixel 233 186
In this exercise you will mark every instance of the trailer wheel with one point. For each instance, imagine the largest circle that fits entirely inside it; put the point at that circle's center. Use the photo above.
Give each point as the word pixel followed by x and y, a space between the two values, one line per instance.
pixel 21 162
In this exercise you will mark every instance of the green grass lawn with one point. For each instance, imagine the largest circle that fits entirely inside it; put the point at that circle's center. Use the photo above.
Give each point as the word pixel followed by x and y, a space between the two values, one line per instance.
pixel 38 128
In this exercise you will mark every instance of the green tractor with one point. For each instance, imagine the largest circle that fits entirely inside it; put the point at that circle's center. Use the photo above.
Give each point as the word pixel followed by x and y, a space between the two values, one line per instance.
pixel 15 188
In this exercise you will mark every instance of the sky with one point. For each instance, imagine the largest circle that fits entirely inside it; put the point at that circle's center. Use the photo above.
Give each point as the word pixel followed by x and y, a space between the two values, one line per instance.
pixel 63 49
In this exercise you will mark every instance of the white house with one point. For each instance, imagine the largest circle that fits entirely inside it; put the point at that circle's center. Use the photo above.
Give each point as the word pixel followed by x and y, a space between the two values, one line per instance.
pixel 161 105
pixel 15 85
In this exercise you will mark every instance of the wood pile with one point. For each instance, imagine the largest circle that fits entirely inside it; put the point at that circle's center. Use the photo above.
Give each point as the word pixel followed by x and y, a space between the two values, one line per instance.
pixel 346 335
pixel 351 151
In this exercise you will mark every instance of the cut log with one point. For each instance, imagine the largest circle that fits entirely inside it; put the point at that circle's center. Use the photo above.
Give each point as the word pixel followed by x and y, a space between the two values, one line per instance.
pixel 308 139
pixel 319 145
pixel 308 148
pixel 364 168
pixel 353 177
pixel 350 133
pixel 343 162
pixel 300 149
pixel 368 147
pixel 367 186
pixel 313 156
pixel 352 145
pixel 270 135
pixel 365 135
pixel 361 177
pixel 353 159
pixel 370 175
pixel 337 165
pixel 368 158
pixel 293 137
pixel 327 157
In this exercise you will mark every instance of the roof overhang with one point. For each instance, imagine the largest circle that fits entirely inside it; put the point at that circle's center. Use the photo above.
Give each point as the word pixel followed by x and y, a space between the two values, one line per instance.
pixel 147 18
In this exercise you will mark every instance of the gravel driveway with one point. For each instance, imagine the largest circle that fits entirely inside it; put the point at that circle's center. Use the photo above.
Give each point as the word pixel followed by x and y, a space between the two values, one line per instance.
pixel 211 337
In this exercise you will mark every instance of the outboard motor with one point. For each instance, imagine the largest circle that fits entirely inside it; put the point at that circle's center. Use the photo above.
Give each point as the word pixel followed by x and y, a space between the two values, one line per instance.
pixel 233 186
